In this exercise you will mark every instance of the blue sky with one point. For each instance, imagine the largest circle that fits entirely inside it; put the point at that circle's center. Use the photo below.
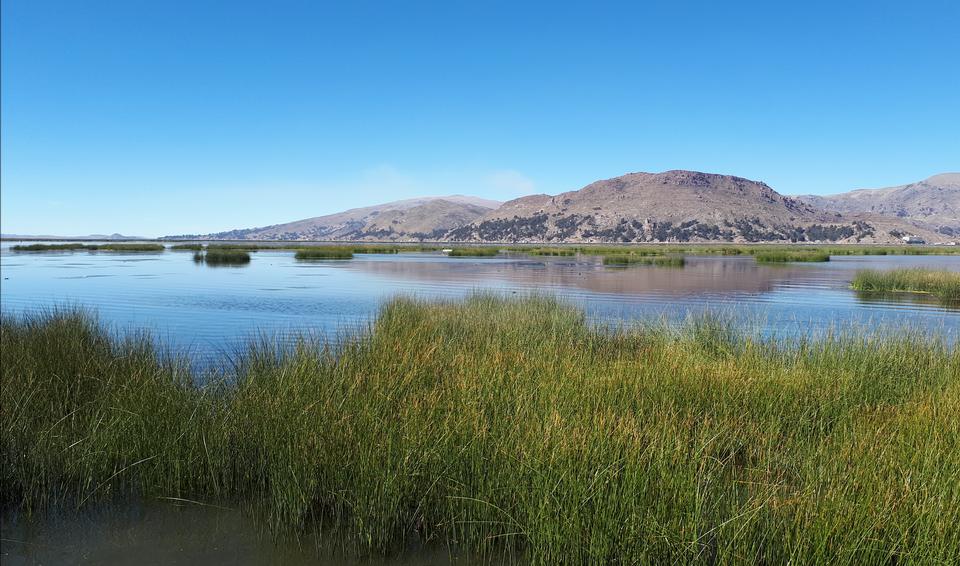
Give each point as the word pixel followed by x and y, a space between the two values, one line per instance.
pixel 155 118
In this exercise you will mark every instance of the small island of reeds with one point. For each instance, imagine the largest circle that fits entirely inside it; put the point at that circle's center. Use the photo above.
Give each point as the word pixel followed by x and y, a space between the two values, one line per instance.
pixel 474 252
pixel 89 247
pixel 787 256
pixel 944 285
pixel 217 257
pixel 324 252
pixel 661 261
pixel 186 247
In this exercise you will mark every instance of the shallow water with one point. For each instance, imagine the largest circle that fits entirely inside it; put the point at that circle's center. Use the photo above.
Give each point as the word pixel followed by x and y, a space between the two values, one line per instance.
pixel 212 311
pixel 177 533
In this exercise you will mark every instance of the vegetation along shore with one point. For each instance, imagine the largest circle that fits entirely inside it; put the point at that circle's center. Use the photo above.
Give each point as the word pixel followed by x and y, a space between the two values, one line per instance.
pixel 510 427
pixel 944 285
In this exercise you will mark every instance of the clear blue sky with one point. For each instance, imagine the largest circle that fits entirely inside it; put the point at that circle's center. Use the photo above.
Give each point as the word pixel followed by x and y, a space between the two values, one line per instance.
pixel 168 117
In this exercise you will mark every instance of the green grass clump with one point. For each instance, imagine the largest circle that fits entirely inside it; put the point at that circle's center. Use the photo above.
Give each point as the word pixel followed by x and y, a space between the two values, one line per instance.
pixel 373 249
pixel 941 284
pixel 510 426
pixel 790 256
pixel 474 252
pixel 555 252
pixel 222 257
pixel 187 247
pixel 661 261
pixel 131 247
pixel 326 252
pixel 51 247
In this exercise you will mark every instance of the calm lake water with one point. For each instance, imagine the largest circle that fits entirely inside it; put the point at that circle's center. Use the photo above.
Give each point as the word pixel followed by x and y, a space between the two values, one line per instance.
pixel 212 311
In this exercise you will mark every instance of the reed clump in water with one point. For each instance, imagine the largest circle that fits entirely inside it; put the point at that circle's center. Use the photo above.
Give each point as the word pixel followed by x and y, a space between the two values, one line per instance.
pixel 944 285
pixel 187 247
pixel 222 257
pixel 554 252
pixel 511 426
pixel 791 256
pixel 661 261
pixel 324 252
pixel 474 252
pixel 89 247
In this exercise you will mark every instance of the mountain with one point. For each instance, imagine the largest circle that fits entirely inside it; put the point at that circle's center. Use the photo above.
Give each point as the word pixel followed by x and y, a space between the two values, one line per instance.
pixel 675 206
pixel 426 218
pixel 933 203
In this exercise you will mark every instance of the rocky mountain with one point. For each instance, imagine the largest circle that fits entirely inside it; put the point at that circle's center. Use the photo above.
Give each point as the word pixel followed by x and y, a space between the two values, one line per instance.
pixel 428 218
pixel 673 206
pixel 933 203
pixel 676 206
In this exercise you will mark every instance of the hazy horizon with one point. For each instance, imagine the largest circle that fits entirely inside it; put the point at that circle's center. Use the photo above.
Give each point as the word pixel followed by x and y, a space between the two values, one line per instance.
pixel 159 119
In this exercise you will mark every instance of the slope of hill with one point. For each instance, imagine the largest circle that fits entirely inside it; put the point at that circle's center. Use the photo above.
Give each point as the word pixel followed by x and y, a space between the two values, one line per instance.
pixel 674 206
pixel 412 219
pixel 933 203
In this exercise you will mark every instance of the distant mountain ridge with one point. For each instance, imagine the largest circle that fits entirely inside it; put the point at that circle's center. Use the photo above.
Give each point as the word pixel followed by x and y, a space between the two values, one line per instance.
pixel 933 203
pixel 410 219
pixel 672 206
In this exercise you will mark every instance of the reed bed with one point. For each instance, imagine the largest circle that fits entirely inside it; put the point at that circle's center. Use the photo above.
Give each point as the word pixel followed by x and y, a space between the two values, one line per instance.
pixel 474 252
pixel 661 261
pixel 187 247
pixel 324 252
pixel 373 249
pixel 554 252
pixel 89 247
pixel 510 427
pixel 790 256
pixel 944 285
pixel 217 257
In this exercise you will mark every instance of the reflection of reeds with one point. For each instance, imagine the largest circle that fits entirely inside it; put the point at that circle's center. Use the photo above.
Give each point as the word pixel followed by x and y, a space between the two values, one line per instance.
pixel 510 426
pixel 944 285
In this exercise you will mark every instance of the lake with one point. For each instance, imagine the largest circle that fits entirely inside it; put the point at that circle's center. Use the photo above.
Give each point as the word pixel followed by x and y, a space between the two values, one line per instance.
pixel 211 311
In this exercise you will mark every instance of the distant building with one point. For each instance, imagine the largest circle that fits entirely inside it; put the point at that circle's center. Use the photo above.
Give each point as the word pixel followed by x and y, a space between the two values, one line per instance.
pixel 914 240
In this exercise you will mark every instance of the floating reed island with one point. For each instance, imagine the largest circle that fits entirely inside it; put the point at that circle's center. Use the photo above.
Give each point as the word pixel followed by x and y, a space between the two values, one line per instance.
pixel 661 261
pixel 324 252
pixel 186 247
pixel 509 427
pixel 790 256
pixel 88 247
pixel 216 257
pixel 944 285
pixel 474 252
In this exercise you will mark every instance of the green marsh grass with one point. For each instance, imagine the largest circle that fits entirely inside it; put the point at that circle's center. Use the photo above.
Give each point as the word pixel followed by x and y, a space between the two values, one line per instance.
pixel 89 247
pixel 944 285
pixel 510 427
pixel 324 252
pixel 661 261
pixel 474 252
pixel 791 256
pixel 187 247
pixel 217 257
pixel 556 252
